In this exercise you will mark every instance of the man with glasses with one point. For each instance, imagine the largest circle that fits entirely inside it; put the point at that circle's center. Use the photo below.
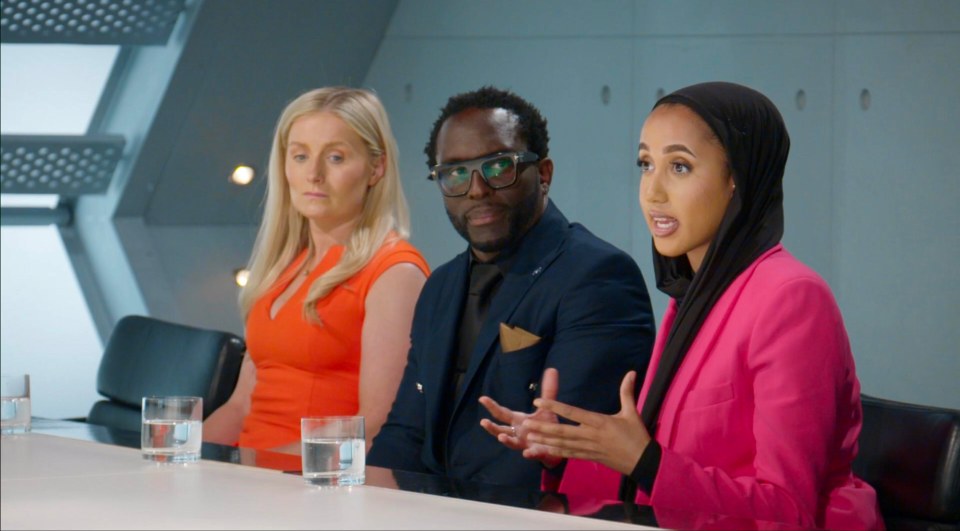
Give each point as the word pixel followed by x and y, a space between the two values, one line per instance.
pixel 532 291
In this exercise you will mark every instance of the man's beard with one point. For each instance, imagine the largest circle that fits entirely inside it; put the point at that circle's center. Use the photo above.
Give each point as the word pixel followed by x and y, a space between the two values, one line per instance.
pixel 519 220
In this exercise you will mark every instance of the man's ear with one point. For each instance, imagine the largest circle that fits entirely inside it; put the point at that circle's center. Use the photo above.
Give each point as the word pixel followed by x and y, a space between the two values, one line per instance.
pixel 545 169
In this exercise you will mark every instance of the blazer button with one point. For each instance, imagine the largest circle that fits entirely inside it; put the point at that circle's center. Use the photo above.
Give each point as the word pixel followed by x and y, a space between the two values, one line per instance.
pixel 420 388
pixel 532 387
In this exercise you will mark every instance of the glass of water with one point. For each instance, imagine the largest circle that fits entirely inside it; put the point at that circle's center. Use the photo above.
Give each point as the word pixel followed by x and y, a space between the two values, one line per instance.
pixel 172 428
pixel 334 450
pixel 14 403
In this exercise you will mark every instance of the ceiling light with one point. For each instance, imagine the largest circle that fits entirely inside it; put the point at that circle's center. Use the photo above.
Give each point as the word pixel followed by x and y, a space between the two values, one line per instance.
pixel 243 175
pixel 240 276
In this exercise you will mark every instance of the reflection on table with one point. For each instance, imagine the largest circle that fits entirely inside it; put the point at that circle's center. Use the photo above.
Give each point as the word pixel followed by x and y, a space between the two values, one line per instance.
pixel 44 476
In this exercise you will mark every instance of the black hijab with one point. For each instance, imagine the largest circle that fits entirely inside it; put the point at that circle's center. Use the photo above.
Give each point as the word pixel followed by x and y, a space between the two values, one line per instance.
pixel 756 142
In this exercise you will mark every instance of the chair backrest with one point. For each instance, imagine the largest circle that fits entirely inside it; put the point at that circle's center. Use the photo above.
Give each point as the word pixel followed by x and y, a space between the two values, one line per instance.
pixel 911 455
pixel 146 356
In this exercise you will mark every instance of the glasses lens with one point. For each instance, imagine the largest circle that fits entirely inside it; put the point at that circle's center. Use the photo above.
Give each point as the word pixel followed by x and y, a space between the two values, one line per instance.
pixel 499 172
pixel 455 179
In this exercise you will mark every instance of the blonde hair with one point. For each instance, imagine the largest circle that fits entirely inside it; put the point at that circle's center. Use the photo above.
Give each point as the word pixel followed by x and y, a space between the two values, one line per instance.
pixel 284 233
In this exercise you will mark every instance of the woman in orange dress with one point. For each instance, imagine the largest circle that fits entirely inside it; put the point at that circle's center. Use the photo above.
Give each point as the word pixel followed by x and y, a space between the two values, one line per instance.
pixel 333 280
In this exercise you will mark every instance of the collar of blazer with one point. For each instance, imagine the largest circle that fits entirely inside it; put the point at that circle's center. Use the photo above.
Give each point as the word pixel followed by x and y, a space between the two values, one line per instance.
pixel 541 242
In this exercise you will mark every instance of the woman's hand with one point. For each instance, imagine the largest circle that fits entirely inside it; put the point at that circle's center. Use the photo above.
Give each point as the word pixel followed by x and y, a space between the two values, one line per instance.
pixel 616 441
pixel 512 432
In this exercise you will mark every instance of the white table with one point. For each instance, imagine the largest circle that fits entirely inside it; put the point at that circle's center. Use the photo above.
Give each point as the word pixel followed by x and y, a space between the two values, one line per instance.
pixel 49 482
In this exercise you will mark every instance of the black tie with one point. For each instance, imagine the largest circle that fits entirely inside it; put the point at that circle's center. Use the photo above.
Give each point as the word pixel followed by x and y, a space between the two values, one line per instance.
pixel 484 279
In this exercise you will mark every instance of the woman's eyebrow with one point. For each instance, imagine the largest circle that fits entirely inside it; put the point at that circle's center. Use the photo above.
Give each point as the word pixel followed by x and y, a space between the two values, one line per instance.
pixel 672 148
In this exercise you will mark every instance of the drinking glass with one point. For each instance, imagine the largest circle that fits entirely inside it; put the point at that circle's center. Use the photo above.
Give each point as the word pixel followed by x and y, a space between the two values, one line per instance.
pixel 333 450
pixel 14 403
pixel 172 428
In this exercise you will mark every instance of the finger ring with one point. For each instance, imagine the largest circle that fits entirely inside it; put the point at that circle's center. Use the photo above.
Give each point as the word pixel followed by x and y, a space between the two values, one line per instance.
pixel 513 430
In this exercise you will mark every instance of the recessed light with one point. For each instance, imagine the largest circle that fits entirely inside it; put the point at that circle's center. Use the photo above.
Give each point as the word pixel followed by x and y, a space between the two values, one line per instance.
pixel 240 276
pixel 242 175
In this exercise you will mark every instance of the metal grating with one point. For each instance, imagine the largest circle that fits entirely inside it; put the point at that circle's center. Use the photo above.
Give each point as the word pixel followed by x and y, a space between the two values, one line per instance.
pixel 65 165
pixel 88 21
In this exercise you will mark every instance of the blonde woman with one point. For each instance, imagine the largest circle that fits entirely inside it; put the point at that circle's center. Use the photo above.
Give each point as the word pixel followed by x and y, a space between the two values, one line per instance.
pixel 333 281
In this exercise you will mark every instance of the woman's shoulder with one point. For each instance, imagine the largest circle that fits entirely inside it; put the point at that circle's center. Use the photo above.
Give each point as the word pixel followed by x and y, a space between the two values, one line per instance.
pixel 778 267
pixel 395 250
pixel 778 280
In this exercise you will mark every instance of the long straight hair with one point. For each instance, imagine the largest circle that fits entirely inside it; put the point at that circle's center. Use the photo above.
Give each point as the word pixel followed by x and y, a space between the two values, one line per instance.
pixel 284 232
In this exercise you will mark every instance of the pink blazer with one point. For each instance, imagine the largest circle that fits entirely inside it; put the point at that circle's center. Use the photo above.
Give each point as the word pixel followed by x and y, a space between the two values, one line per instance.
pixel 762 418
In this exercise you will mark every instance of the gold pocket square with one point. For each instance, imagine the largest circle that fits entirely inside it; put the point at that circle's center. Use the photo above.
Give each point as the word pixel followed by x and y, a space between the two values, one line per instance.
pixel 515 338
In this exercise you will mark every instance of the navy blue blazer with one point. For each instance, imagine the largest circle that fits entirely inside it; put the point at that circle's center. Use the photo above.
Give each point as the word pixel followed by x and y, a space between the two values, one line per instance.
pixel 583 297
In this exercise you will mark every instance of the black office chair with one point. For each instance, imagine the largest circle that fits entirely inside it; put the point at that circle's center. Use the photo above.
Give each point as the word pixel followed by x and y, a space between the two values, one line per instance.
pixel 911 455
pixel 146 356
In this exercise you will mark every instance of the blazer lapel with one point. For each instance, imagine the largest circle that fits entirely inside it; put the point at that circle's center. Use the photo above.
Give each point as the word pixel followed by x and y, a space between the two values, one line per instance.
pixel 702 349
pixel 538 249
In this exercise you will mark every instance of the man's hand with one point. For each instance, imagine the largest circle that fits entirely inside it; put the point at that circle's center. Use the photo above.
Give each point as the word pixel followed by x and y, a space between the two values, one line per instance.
pixel 513 433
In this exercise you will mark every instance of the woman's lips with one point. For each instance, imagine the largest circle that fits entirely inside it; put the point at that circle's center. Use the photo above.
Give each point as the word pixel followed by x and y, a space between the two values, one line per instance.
pixel 662 226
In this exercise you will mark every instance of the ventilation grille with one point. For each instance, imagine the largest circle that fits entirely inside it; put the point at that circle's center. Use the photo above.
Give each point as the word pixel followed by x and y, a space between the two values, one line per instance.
pixel 65 165
pixel 88 21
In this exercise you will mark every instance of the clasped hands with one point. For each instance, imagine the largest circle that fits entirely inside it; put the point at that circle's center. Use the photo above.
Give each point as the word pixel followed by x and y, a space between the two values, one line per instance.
pixel 616 441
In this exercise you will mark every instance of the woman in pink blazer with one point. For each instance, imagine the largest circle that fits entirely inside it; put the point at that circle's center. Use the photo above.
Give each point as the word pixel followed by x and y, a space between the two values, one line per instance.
pixel 751 395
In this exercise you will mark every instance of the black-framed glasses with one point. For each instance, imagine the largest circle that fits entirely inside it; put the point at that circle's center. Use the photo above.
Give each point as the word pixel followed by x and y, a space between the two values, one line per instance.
pixel 498 170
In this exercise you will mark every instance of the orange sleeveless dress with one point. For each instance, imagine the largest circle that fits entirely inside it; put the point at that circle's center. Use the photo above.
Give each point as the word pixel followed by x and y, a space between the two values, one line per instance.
pixel 305 369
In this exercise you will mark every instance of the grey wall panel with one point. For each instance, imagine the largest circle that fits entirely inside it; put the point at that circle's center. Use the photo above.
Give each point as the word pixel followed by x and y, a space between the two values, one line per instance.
pixel 198 264
pixel 898 224
pixel 889 16
pixel 151 267
pixel 446 19
pixel 733 17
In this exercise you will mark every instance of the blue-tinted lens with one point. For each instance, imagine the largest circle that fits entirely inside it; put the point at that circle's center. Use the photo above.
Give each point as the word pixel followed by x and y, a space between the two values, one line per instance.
pixel 454 179
pixel 499 172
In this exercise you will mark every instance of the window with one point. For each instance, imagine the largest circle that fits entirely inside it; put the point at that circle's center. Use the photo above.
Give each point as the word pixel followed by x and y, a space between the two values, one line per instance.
pixel 47 330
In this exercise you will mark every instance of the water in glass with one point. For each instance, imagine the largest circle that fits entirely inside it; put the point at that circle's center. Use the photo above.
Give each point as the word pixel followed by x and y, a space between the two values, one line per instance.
pixel 174 441
pixel 14 414
pixel 334 462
